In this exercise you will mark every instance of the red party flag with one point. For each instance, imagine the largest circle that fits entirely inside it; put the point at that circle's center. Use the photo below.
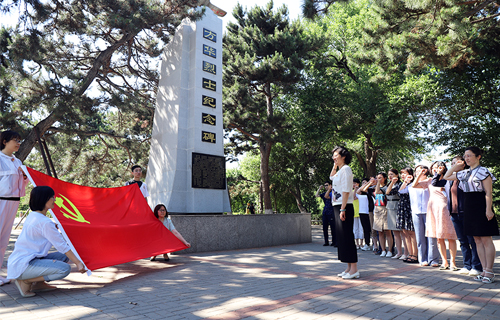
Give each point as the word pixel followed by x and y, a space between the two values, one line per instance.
pixel 107 226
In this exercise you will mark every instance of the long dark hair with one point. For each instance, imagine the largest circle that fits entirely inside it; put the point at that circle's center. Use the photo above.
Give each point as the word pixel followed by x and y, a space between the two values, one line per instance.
pixel 157 208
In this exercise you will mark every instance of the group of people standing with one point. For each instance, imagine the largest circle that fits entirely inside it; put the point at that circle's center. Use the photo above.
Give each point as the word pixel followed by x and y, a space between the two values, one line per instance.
pixel 30 265
pixel 411 213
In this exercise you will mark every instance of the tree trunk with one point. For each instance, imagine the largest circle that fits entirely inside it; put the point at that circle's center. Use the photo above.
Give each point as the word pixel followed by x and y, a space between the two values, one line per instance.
pixel 275 201
pixel 265 153
pixel 371 154
pixel 298 198
pixel 30 140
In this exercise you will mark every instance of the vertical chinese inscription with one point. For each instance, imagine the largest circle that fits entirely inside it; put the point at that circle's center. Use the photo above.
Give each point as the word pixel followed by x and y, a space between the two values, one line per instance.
pixel 210 35
pixel 209 67
pixel 209 84
pixel 208 119
pixel 208 101
pixel 209 51
pixel 208 136
pixel 208 171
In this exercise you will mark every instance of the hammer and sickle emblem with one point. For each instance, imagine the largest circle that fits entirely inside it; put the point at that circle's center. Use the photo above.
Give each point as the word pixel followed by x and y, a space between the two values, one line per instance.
pixel 74 215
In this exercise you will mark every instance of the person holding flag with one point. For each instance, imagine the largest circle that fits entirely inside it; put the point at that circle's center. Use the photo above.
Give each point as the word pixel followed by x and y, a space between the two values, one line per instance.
pixel 161 214
pixel 30 263
pixel 12 187
pixel 137 173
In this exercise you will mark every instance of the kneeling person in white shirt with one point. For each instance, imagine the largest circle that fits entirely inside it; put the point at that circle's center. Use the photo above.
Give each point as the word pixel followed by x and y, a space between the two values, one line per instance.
pixel 30 263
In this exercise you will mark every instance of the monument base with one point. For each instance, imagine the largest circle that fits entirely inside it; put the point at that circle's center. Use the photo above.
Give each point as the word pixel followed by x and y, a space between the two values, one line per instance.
pixel 233 232
pixel 196 213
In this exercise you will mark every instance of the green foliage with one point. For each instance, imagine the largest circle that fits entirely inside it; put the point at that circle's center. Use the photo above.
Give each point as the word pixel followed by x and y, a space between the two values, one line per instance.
pixel 84 73
pixel 415 34
pixel 264 53
pixel 244 183
pixel 373 119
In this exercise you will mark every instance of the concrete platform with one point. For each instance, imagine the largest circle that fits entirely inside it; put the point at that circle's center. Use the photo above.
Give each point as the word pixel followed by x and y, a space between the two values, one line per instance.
pixel 286 282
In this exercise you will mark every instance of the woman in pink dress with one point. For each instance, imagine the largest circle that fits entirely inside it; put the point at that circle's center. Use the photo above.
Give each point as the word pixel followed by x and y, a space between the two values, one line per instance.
pixel 439 224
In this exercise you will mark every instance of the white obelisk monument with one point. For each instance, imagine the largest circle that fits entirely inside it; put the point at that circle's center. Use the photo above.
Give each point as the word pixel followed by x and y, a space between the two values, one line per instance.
pixel 186 169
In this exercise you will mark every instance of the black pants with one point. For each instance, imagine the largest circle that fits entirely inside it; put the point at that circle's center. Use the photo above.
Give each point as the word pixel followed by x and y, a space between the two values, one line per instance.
pixel 329 220
pixel 367 230
pixel 345 236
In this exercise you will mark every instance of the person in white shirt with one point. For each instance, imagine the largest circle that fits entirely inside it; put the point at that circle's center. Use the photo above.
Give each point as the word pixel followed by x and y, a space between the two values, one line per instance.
pixel 30 263
pixel 428 253
pixel 342 182
pixel 12 187
pixel 161 214
pixel 137 173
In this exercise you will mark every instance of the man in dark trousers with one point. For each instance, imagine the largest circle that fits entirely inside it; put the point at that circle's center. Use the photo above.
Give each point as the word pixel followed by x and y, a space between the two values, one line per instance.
pixel 328 217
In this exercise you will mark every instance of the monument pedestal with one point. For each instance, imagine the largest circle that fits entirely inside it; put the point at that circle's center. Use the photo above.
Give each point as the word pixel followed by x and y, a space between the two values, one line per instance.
pixel 186 169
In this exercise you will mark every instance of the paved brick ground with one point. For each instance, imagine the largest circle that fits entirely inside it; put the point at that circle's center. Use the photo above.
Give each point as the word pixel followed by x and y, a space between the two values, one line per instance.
pixel 288 282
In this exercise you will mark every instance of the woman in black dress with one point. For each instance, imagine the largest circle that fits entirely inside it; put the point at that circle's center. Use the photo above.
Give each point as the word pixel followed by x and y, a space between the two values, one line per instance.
pixel 405 221
pixel 479 218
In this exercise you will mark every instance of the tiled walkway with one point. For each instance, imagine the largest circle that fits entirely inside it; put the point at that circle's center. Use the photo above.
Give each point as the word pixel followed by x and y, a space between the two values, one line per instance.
pixel 287 282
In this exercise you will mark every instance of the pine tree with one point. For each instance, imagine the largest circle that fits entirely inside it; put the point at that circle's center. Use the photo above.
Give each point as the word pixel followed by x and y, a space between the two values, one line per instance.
pixel 416 34
pixel 263 54
pixel 65 52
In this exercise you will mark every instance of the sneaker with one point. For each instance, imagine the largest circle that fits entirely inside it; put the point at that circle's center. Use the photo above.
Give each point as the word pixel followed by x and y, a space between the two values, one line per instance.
pixel 474 272
pixel 366 248
pixel 383 254
pixel 464 270
pixel 389 254
pixel 399 255
pixel 403 257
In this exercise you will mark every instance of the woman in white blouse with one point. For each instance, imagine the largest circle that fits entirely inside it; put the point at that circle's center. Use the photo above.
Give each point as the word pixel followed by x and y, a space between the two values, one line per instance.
pixel 479 218
pixel 30 263
pixel 342 182
pixel 12 188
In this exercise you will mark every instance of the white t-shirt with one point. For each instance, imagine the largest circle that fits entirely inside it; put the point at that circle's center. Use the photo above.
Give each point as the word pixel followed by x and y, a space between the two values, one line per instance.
pixel 144 189
pixel 168 224
pixel 342 182
pixel 363 203
pixel 419 197
pixel 39 234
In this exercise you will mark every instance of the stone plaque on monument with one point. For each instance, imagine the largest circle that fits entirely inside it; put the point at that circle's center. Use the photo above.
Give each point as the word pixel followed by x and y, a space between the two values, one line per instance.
pixel 186 169
pixel 208 171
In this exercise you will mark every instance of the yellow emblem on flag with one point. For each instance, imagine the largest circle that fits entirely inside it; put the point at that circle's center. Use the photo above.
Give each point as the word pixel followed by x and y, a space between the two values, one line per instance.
pixel 75 214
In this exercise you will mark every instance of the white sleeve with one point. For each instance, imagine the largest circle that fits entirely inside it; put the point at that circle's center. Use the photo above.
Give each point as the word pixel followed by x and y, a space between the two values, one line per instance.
pixel 50 232
pixel 346 180
pixel 144 190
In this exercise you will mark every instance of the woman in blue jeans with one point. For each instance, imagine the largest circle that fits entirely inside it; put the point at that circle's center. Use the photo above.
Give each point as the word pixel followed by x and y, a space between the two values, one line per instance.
pixel 30 263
